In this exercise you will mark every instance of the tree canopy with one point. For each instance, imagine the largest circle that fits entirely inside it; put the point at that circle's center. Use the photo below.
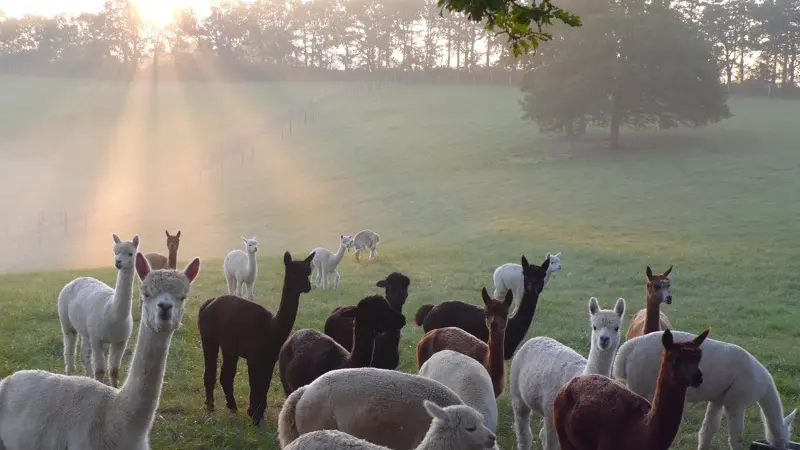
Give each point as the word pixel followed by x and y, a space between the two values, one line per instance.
pixel 633 63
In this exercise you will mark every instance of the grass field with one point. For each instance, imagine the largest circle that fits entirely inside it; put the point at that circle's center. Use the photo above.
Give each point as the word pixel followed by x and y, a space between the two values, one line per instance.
pixel 451 178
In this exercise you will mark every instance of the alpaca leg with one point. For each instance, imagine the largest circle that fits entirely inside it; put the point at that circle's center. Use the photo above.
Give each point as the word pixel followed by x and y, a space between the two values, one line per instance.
pixel 115 352
pixel 336 277
pixel 735 418
pixel 98 360
pixel 258 393
pixel 231 285
pixel 324 279
pixel 318 280
pixel 86 354
pixel 710 427
pixel 547 435
pixel 70 339
pixel 373 254
pixel 522 423
pixel 250 291
pixel 358 254
pixel 226 376
pixel 210 355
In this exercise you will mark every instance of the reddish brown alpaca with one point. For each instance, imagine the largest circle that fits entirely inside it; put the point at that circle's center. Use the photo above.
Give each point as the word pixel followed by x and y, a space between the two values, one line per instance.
pixel 593 412
pixel 490 354
pixel 245 329
pixel 159 261
pixel 308 354
pixel 651 318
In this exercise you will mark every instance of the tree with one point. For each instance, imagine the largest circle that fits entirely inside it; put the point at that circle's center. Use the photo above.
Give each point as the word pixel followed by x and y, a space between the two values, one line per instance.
pixel 633 64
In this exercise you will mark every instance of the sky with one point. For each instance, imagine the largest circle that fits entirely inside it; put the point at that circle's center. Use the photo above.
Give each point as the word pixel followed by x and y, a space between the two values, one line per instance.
pixel 152 10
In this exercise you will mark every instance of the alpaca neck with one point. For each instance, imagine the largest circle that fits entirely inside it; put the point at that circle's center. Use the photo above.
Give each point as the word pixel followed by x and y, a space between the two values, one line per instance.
pixel 496 362
pixel 547 278
pixel 363 347
pixel 600 361
pixel 137 400
pixel 772 414
pixel 123 291
pixel 337 257
pixel 252 265
pixel 287 311
pixel 652 318
pixel 172 261
pixel 666 411
pixel 519 323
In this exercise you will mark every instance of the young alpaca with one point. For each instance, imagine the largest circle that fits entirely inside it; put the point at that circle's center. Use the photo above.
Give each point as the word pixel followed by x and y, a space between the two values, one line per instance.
pixel 652 319
pixel 365 239
pixel 470 318
pixel 307 354
pixel 326 262
pixel 159 261
pixel 44 410
pixel 91 309
pixel 386 354
pixel 509 277
pixel 593 412
pixel 743 381
pixel 388 410
pixel 241 269
pixel 542 365
pixel 245 329
pixel 467 378
pixel 454 427
pixel 489 354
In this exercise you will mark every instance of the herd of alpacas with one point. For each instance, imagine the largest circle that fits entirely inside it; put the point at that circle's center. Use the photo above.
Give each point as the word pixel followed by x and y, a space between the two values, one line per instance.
pixel 342 387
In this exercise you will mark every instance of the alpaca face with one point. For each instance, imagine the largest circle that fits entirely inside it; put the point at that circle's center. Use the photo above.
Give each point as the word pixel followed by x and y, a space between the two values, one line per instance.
pixel 396 286
pixel 465 426
pixel 125 252
pixel 164 294
pixel 496 311
pixel 173 241
pixel 605 324
pixel 555 262
pixel 352 245
pixel 658 286
pixel 533 276
pixel 251 245
pixel 345 241
pixel 299 272
pixel 683 358
pixel 378 314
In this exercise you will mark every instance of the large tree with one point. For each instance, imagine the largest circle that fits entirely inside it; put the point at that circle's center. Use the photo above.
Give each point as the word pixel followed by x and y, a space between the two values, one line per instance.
pixel 632 64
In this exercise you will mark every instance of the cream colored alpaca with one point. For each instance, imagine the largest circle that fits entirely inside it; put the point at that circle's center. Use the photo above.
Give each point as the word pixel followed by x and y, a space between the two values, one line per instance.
pixel 365 239
pixel 241 269
pixel 325 263
pixel 91 309
pixel 47 411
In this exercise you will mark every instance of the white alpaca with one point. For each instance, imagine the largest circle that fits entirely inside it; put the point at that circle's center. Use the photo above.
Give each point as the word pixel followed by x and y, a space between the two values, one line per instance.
pixel 47 411
pixel 509 277
pixel 365 239
pixel 387 409
pixel 100 315
pixel 241 269
pixel 732 379
pixel 456 427
pixel 325 263
pixel 467 378
pixel 543 365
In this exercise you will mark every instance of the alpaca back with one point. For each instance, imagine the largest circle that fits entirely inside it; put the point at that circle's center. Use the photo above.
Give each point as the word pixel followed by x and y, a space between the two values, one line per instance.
pixel 539 369
pixel 305 356
pixel 322 257
pixel 36 397
pixel 365 239
pixel 81 306
pixel 451 338
pixel 467 378
pixel 389 410
pixel 508 277
pixel 236 264
pixel 331 440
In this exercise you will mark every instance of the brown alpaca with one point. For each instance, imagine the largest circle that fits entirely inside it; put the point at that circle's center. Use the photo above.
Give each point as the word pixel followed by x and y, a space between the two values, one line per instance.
pixel 490 354
pixel 652 319
pixel 308 353
pixel 245 329
pixel 159 261
pixel 593 412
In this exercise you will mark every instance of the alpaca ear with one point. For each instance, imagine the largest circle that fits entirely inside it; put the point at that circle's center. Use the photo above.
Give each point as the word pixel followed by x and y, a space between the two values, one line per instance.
pixel 485 294
pixel 547 256
pixel 557 255
pixel 509 298
pixel 192 269
pixel 243 239
pixel 666 340
pixel 701 337
pixel 142 266
pixel 524 262
pixel 594 307
pixel 117 240
pixel 619 308
pixel 167 232
pixel 179 234
pixel 546 264
pixel 666 273
pixel 436 411
pixel 649 273
pixel 287 258
pixel 309 258
pixel 135 241
pixel 381 284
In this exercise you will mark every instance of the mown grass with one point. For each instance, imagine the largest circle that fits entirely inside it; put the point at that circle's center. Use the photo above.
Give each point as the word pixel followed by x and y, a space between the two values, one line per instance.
pixel 457 184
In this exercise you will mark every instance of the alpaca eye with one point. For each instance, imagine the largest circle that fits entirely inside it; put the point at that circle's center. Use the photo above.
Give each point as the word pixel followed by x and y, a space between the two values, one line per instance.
pixel 130 254
pixel 594 328
pixel 183 298
pixel 616 329
pixel 471 429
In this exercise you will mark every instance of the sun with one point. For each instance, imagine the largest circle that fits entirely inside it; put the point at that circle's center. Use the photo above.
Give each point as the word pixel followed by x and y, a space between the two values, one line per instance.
pixel 158 13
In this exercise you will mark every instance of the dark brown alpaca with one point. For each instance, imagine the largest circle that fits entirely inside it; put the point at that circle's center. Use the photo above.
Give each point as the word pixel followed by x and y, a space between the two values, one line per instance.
pixel 651 318
pixel 456 339
pixel 593 412
pixel 244 329
pixel 159 261
pixel 308 353
pixel 386 355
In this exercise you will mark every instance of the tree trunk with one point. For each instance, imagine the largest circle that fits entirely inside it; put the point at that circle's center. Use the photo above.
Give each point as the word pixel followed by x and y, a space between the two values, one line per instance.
pixel 616 121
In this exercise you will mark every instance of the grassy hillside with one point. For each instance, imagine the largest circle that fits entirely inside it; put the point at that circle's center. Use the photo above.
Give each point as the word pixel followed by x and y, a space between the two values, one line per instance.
pixel 448 178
